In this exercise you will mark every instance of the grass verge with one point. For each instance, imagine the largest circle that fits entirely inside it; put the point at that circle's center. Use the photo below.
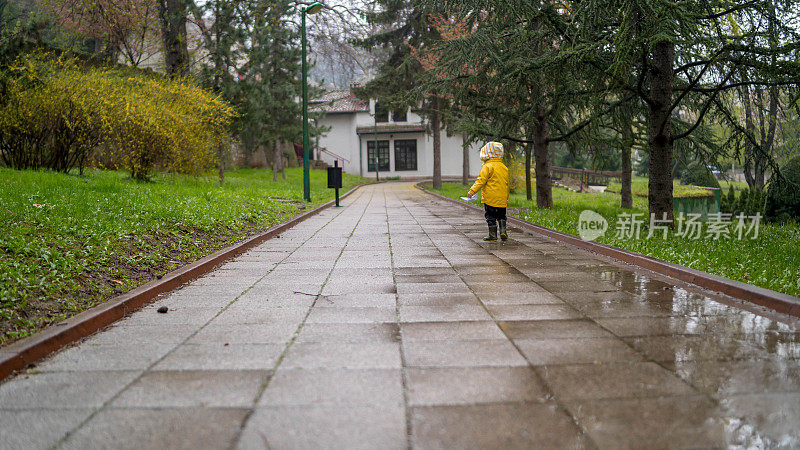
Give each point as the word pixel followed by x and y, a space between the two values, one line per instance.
pixel 639 188
pixel 771 261
pixel 70 242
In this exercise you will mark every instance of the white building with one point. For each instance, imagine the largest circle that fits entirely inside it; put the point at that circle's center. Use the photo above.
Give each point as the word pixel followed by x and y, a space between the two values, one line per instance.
pixel 405 149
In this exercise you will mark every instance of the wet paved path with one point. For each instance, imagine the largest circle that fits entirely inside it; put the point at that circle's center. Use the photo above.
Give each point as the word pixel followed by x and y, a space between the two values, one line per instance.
pixel 388 323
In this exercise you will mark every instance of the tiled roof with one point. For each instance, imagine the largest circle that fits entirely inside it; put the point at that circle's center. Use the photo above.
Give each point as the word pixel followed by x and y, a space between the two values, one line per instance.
pixel 338 102
pixel 384 129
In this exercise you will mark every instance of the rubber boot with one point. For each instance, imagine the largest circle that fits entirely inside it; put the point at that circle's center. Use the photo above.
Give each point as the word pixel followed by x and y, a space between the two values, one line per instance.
pixel 492 234
pixel 503 234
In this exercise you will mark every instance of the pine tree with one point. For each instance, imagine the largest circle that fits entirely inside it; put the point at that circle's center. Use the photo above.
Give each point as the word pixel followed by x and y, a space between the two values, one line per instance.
pixel 502 76
pixel 272 78
pixel 686 56
pixel 408 30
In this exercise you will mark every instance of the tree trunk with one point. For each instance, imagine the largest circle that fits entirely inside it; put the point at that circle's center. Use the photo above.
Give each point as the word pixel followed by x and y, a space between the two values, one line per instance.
pixel 465 164
pixel 544 193
pixel 659 197
pixel 277 158
pixel 172 18
pixel 528 185
pixel 625 178
pixel 437 142
pixel 749 148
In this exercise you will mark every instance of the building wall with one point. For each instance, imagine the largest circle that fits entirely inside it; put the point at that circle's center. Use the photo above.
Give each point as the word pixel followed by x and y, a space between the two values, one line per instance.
pixel 343 141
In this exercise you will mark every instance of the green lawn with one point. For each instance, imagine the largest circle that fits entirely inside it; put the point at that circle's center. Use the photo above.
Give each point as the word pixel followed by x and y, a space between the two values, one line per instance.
pixel 639 188
pixel 70 242
pixel 771 261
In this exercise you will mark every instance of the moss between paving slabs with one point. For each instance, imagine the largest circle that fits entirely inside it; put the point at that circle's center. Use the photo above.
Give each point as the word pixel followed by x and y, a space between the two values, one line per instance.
pixel 69 242
pixel 771 261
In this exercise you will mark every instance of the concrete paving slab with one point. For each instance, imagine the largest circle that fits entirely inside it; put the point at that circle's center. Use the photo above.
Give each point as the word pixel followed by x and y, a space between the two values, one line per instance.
pixel 499 425
pixel 246 314
pixel 455 313
pixel 424 271
pixel 473 385
pixel 326 426
pixel 480 287
pixel 38 428
pixel 533 312
pixel 521 298
pixel 106 357
pixel 343 355
pixel 541 352
pixel 450 331
pixel 259 333
pixel 378 387
pixel 65 390
pixel 432 288
pixel 553 329
pixel 352 315
pixel 668 422
pixel 431 278
pixel 721 379
pixel 716 348
pixel 763 420
pixel 654 326
pixel 178 302
pixel 225 291
pixel 141 335
pixel 437 299
pixel 260 301
pixel 349 333
pixel 358 300
pixel 614 380
pixel 159 428
pixel 473 353
pixel 178 316
pixel 193 389
pixel 218 356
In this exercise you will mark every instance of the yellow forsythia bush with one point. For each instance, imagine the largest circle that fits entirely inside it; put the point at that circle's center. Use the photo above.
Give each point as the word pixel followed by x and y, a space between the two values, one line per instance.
pixel 48 121
pixel 516 173
pixel 144 122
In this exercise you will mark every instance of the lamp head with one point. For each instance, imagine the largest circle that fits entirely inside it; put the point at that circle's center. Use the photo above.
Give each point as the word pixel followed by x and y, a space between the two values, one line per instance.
pixel 313 8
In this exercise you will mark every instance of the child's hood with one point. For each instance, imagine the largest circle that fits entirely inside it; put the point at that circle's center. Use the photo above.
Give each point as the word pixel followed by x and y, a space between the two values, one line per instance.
pixel 491 150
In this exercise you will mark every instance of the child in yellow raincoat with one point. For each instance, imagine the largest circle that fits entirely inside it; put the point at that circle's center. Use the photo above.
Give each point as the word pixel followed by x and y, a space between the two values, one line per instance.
pixel 494 187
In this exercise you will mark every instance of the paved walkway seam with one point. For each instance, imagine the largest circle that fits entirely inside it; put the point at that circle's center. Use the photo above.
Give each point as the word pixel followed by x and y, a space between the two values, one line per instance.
pixel 187 339
pixel 289 344
pixel 550 391
pixel 26 351
pixel 403 364
pixel 778 301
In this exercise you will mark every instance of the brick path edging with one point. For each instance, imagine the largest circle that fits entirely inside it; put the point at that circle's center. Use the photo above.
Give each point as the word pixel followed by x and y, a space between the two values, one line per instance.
pixel 28 350
pixel 778 301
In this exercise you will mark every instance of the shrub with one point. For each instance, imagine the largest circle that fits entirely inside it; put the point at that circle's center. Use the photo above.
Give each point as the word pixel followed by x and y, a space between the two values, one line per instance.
pixel 698 175
pixel 58 111
pixel 783 195
pixel 516 174
pixel 727 202
pixel 49 120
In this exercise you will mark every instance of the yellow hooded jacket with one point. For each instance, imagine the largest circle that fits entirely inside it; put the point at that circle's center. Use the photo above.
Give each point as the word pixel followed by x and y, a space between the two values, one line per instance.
pixel 493 179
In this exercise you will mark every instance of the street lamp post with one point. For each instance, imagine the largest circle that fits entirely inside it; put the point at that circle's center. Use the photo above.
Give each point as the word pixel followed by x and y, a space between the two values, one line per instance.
pixel 310 9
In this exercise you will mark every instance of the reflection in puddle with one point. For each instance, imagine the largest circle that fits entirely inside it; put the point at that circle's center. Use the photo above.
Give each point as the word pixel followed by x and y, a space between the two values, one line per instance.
pixel 749 363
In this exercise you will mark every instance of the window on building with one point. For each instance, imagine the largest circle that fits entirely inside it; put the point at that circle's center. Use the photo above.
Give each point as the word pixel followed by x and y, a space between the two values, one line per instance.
pixel 405 154
pixel 399 115
pixel 383 156
pixel 381 113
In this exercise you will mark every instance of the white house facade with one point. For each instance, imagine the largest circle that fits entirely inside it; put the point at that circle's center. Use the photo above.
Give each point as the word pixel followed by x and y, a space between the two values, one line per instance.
pixel 397 139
